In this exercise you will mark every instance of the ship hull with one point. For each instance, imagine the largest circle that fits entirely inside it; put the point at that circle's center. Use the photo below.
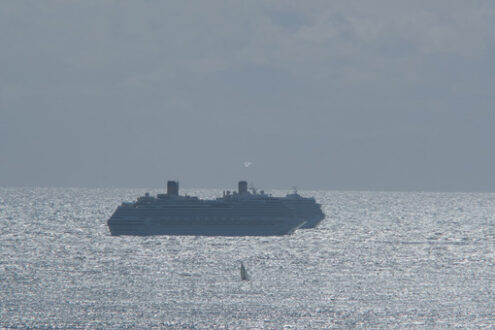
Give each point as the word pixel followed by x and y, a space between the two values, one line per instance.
pixel 308 211
pixel 312 222
pixel 202 230
pixel 141 223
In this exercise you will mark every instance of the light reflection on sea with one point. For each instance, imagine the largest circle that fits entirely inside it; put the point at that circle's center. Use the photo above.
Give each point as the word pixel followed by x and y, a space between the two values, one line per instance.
pixel 377 260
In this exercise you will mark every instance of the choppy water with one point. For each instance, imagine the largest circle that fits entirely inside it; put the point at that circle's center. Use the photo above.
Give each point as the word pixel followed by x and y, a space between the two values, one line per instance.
pixel 377 260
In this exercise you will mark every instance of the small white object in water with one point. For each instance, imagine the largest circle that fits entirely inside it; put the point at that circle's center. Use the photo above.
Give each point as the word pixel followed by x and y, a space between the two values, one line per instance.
pixel 244 274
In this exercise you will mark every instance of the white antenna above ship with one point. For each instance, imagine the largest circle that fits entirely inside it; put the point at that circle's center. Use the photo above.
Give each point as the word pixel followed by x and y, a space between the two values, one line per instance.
pixel 247 164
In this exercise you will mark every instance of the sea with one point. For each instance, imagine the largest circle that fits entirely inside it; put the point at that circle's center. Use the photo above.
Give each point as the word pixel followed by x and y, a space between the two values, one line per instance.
pixel 378 260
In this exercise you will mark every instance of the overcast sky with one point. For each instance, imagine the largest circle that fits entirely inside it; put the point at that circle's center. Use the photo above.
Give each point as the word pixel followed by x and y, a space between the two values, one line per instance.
pixel 354 95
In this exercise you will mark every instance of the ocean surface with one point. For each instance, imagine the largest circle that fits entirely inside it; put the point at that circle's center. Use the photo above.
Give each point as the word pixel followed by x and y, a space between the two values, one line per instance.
pixel 420 260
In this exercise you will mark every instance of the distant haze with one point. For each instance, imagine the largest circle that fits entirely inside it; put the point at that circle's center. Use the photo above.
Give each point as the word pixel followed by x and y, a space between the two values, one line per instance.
pixel 355 95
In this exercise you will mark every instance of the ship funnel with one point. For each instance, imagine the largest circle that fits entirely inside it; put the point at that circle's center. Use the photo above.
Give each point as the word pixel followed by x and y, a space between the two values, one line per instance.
pixel 173 188
pixel 243 187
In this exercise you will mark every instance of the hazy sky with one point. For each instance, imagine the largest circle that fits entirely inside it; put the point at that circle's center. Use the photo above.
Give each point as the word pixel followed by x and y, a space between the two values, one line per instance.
pixel 357 95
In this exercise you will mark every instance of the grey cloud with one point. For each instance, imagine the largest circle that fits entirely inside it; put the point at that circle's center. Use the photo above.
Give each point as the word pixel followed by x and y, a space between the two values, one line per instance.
pixel 334 95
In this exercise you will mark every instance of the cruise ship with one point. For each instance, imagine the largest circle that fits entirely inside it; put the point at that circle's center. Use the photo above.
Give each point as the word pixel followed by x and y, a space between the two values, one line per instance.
pixel 239 213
